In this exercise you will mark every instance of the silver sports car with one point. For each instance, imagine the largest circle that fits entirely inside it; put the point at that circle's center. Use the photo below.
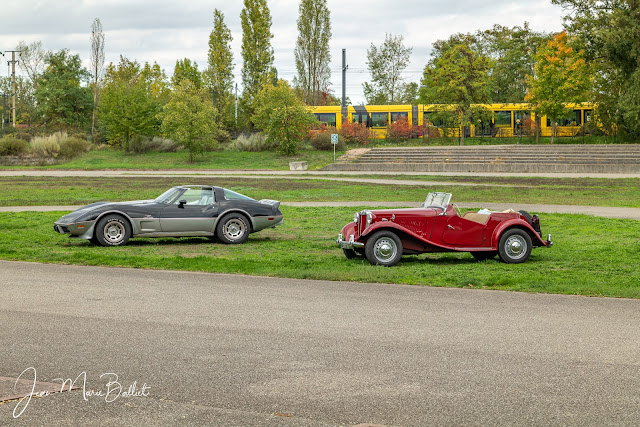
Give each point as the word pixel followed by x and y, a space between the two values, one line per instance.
pixel 186 210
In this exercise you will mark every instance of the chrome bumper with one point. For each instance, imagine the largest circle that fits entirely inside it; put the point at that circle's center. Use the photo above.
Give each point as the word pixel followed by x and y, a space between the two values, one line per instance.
pixel 549 242
pixel 348 244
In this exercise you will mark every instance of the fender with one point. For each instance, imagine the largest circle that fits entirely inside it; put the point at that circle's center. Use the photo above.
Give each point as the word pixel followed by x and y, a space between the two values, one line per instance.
pixel 392 225
pixel 519 223
pixel 127 217
pixel 240 211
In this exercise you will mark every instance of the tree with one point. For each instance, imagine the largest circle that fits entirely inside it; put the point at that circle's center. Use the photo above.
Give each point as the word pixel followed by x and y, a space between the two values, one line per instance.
pixel 312 50
pixel 157 82
pixel 186 70
pixel 127 107
pixel 62 93
pixel 512 54
pixel 257 53
pixel 283 116
pixel 457 74
pixel 386 64
pixel 609 33
pixel 97 67
pixel 560 76
pixel 219 74
pixel 32 60
pixel 187 118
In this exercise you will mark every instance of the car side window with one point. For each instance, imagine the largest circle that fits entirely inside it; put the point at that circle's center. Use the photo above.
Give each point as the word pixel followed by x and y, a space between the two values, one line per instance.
pixel 197 196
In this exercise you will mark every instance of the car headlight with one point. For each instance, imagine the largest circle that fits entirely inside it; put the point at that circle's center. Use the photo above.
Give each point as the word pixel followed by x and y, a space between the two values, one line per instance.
pixel 369 218
pixel 356 217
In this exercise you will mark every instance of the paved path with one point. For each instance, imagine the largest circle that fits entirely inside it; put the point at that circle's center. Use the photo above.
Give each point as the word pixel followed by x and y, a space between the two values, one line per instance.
pixel 608 212
pixel 236 350
pixel 297 174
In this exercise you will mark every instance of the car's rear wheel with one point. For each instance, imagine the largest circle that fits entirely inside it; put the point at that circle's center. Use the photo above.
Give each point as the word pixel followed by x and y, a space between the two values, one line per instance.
pixel 233 228
pixel 113 230
pixel 484 255
pixel 383 248
pixel 514 246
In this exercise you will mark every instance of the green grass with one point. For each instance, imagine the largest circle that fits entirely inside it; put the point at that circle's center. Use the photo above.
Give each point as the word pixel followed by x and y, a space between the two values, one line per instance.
pixel 591 256
pixel 34 191
pixel 221 160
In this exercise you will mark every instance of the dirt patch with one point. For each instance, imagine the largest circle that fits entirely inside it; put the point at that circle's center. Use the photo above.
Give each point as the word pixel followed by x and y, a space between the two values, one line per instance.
pixel 352 155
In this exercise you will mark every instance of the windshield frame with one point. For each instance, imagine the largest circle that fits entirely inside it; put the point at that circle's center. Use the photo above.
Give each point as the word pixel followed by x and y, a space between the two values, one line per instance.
pixel 170 195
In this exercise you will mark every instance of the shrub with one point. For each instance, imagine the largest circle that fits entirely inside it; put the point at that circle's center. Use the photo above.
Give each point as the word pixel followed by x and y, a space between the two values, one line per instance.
pixel 322 140
pixel 355 133
pixel 164 145
pixel 45 147
pixel 11 146
pixel 401 129
pixel 254 143
pixel 73 147
pixel 140 144
pixel 25 136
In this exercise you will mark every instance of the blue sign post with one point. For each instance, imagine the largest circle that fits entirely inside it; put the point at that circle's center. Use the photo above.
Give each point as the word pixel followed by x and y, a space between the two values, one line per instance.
pixel 334 142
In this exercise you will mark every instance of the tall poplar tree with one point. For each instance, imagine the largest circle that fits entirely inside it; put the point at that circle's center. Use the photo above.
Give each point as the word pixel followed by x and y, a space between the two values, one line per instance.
pixel 219 73
pixel 97 67
pixel 257 53
pixel 312 50
pixel 386 64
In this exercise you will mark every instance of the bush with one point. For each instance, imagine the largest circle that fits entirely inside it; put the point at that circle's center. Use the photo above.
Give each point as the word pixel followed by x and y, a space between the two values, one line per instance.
pixel 253 143
pixel 11 146
pixel 139 144
pixel 401 129
pixel 73 147
pixel 322 140
pixel 25 136
pixel 355 133
pixel 164 145
pixel 45 147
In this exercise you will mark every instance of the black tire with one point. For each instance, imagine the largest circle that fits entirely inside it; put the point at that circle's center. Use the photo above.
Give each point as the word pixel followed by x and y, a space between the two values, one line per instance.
pixel 233 228
pixel 112 230
pixel 484 255
pixel 527 216
pixel 514 246
pixel 349 253
pixel 383 248
pixel 94 241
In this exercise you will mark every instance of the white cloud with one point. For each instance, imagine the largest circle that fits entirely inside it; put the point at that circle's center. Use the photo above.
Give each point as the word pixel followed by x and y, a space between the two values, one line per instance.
pixel 165 31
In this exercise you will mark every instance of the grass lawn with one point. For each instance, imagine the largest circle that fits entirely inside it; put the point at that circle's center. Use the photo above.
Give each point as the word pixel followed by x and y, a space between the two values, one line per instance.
pixel 591 256
pixel 33 191
pixel 221 160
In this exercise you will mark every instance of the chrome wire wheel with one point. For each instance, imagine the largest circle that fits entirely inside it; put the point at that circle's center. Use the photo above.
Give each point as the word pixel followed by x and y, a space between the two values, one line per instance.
pixel 515 246
pixel 234 229
pixel 114 232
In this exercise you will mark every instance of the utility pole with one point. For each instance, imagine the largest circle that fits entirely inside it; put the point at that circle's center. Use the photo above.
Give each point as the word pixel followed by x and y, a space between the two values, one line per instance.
pixel 13 85
pixel 236 107
pixel 344 85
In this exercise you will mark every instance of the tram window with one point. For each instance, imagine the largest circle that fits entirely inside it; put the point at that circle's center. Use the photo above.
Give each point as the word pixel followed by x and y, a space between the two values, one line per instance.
pixel 328 118
pixel 502 118
pixel 433 119
pixel 379 119
pixel 360 118
pixel 522 116
pixel 396 116
pixel 573 119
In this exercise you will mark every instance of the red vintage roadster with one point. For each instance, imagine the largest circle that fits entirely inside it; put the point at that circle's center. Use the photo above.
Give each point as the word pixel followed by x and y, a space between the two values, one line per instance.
pixel 383 236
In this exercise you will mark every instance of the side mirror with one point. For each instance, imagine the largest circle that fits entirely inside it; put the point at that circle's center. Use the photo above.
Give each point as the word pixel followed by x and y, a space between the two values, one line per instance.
pixel 181 203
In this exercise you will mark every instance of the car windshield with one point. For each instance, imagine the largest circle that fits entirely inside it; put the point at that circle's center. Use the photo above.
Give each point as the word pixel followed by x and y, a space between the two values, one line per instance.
pixel 232 195
pixel 169 195
pixel 439 200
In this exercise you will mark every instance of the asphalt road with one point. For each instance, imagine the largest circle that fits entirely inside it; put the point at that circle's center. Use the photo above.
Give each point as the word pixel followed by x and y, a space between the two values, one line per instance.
pixel 236 350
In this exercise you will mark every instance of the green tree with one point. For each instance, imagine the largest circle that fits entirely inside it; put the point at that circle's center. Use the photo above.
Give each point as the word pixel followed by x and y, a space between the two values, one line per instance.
pixel 157 82
pixel 219 74
pixel 457 74
pixel 386 64
pixel 312 52
pixel 560 76
pixel 512 53
pixel 257 53
pixel 63 93
pixel 283 116
pixel 187 118
pixel 127 107
pixel 609 33
pixel 186 70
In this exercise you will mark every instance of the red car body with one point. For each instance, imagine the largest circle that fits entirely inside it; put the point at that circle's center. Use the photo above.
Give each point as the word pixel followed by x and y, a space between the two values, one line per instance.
pixel 384 235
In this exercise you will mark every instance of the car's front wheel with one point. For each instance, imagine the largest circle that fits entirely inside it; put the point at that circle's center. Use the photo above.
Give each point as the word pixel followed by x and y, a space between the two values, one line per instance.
pixel 113 230
pixel 233 228
pixel 383 248
pixel 514 246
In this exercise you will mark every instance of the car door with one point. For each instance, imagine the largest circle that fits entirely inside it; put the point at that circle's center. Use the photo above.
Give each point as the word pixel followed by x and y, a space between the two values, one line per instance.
pixel 195 211
pixel 462 232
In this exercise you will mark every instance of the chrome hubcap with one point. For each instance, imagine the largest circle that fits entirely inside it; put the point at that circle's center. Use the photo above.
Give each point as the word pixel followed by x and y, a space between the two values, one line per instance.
pixel 515 247
pixel 234 229
pixel 113 231
pixel 385 249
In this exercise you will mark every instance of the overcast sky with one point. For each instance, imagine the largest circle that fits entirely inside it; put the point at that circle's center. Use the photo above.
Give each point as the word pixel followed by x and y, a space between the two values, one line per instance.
pixel 164 31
